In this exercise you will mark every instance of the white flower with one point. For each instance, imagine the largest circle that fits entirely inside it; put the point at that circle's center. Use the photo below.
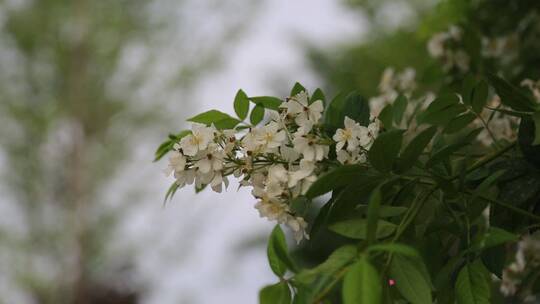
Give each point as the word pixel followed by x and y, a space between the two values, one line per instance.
pixel 309 148
pixel 210 160
pixel 230 140
pixel 436 44
pixel 348 158
pixel 177 161
pixel 197 141
pixel 270 136
pixel 298 225
pixel 387 80
pixel 251 140
pixel 217 181
pixel 185 177
pixel 278 174
pixel 368 135
pixel 349 135
pixel 305 169
pixel 306 115
pixel 288 154
pixel 273 209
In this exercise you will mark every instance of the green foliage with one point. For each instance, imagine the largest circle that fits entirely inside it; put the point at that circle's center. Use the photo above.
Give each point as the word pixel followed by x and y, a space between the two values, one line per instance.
pixel 472 285
pixel 241 104
pixel 358 228
pixel 278 293
pixel 362 284
pixel 278 257
pixel 385 150
pixel 411 281
pixel 214 117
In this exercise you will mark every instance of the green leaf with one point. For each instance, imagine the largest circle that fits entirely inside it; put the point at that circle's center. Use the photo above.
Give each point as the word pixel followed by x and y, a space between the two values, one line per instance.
pixel 257 114
pixel 512 96
pixel 536 119
pixel 275 294
pixel 386 211
pixel 386 116
pixel 339 259
pixel 472 285
pixel 446 151
pixel 487 183
pixel 410 281
pixel 297 88
pixel 357 228
pixel 278 257
pixel 241 104
pixel 441 110
pixel 318 95
pixel 395 248
pixel 219 119
pixel 353 106
pixel 493 237
pixel 415 148
pixel 400 105
pixel 373 214
pixel 268 102
pixel 385 150
pixel 362 284
pixel 170 192
pixel 168 145
pixel 479 96
pixel 467 88
pixel 458 123
pixel 338 177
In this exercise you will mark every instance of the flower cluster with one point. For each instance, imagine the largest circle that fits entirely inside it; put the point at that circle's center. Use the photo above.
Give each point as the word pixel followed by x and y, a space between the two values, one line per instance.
pixel 279 160
pixel 392 84
pixel 527 263
pixel 446 47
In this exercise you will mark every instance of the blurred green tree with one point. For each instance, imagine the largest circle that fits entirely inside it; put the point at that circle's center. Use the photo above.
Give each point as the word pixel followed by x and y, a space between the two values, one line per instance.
pixel 78 81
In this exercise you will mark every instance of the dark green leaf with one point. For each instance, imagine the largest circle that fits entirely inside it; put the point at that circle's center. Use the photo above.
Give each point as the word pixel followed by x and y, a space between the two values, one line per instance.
pixel 373 214
pixel 415 148
pixel 257 114
pixel 318 95
pixel 536 119
pixel 400 105
pixel 386 116
pixel 386 211
pixel 395 248
pixel 241 104
pixel 353 106
pixel 385 149
pixel 357 228
pixel 275 294
pixel 493 237
pixel 410 280
pixel 168 145
pixel 219 119
pixel 479 97
pixel 268 102
pixel 472 285
pixel 170 192
pixel 278 257
pixel 297 88
pixel 338 177
pixel 362 284
pixel 458 123
pixel 467 88
pixel 339 259
pixel 512 96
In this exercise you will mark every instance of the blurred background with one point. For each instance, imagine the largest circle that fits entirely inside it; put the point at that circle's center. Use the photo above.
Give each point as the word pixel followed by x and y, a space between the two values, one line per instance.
pixel 89 88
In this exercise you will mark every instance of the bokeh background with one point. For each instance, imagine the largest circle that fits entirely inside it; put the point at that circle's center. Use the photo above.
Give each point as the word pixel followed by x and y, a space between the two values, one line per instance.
pixel 89 88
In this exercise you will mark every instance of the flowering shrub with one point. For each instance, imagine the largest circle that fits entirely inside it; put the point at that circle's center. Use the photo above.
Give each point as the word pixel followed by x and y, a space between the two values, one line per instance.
pixel 430 198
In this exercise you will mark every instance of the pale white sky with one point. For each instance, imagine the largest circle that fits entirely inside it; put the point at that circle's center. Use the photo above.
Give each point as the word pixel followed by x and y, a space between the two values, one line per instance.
pixel 192 258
